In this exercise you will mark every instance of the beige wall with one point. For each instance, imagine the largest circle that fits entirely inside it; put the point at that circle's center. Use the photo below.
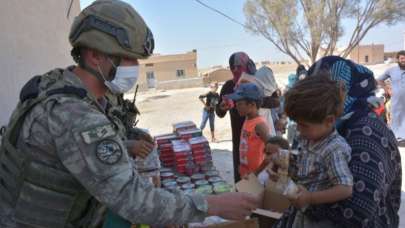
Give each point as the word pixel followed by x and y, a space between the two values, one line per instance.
pixel 34 39
pixel 374 53
pixel 220 75
pixel 165 67
pixel 281 72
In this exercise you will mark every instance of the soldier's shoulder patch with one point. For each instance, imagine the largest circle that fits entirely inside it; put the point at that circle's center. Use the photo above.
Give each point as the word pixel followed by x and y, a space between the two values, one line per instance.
pixel 109 152
pixel 97 133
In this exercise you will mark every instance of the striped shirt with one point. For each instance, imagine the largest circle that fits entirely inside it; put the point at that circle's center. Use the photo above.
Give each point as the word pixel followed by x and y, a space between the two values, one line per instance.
pixel 322 165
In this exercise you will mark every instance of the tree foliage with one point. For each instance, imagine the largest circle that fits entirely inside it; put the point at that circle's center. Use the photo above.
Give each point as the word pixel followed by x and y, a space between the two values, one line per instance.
pixel 300 28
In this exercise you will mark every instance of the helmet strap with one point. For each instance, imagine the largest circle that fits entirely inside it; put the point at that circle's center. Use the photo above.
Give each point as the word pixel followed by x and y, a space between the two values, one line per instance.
pixel 92 71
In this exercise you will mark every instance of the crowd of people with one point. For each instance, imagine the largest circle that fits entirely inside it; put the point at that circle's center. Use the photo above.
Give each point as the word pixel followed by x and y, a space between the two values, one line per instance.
pixel 348 166
pixel 66 156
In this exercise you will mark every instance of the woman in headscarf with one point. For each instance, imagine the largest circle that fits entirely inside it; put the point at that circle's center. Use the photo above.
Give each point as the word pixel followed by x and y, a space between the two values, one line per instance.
pixel 375 160
pixel 239 63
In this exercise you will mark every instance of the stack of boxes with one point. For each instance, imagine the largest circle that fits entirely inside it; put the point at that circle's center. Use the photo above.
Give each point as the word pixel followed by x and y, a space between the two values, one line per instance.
pixel 182 156
pixel 201 150
pixel 165 147
pixel 183 126
pixel 189 133
pixel 185 150
pixel 186 156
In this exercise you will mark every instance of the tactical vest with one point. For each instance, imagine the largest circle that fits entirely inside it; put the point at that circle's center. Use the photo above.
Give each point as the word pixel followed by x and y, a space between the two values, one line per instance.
pixel 43 195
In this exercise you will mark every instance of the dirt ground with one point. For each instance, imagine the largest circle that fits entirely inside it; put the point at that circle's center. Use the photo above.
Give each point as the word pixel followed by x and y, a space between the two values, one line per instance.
pixel 160 109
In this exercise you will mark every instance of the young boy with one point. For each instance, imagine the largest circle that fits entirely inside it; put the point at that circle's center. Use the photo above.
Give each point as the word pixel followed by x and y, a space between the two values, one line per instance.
pixel 255 130
pixel 274 143
pixel 211 100
pixel 321 166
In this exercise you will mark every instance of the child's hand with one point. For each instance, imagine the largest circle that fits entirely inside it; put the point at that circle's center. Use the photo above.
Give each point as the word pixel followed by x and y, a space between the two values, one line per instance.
pixel 226 103
pixel 272 174
pixel 303 199
pixel 139 148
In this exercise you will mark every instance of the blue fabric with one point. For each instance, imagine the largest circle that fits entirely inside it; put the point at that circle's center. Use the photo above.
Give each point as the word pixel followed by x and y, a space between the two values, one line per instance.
pixel 114 221
pixel 359 81
pixel 208 116
pixel 375 163
pixel 292 79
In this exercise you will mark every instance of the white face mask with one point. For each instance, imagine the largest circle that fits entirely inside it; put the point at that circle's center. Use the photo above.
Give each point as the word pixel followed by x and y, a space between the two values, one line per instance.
pixel 125 78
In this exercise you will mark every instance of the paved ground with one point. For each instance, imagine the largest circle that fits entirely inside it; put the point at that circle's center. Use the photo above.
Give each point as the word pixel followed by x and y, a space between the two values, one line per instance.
pixel 160 109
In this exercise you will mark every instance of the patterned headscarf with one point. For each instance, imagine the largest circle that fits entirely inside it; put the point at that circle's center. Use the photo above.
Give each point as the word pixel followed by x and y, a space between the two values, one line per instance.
pixel 242 59
pixel 358 80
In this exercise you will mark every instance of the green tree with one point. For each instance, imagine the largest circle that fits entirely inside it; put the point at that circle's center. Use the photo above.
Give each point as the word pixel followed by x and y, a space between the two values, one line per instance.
pixel 300 28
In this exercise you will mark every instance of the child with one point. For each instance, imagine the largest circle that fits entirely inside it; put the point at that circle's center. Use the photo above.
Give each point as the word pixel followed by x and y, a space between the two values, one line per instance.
pixel 274 144
pixel 321 169
pixel 255 130
pixel 211 100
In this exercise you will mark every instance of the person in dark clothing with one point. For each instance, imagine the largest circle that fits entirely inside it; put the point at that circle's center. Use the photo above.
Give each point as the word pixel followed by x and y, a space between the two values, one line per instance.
pixel 239 63
pixel 211 101
pixel 301 72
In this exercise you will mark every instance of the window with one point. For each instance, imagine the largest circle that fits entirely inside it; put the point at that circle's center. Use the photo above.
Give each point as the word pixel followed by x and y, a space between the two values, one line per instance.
pixel 150 79
pixel 366 59
pixel 149 65
pixel 180 73
pixel 150 75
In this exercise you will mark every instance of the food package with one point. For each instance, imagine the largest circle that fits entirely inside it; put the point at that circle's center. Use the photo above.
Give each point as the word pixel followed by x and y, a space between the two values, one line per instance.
pixel 276 175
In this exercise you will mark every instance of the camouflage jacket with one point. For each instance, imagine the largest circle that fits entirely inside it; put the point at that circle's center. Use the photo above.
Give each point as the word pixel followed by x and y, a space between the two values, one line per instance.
pixel 87 145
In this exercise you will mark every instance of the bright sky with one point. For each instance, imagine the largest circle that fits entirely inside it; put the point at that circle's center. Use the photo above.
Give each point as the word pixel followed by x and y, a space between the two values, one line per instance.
pixel 182 25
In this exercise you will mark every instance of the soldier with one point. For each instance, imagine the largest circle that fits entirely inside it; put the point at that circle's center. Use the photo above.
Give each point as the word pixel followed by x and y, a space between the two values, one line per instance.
pixel 62 153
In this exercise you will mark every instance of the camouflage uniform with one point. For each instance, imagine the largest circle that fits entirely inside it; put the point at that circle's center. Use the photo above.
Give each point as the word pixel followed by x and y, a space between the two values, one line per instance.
pixel 62 153
pixel 68 137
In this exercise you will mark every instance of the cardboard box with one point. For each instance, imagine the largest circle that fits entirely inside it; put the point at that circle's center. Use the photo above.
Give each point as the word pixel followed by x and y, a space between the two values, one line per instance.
pixel 273 204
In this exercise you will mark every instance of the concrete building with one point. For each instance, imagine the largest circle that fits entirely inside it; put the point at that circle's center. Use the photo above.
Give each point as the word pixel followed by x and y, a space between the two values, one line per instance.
pixel 160 69
pixel 368 54
pixel 34 39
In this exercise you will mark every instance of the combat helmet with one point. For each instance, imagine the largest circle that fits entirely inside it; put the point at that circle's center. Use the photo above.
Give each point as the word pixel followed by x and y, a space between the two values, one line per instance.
pixel 112 27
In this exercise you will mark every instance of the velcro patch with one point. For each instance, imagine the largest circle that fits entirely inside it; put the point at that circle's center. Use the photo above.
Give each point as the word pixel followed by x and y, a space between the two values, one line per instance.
pixel 98 133
pixel 109 152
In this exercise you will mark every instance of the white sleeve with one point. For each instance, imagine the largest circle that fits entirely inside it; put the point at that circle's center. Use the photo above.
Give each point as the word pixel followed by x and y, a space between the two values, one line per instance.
pixel 385 76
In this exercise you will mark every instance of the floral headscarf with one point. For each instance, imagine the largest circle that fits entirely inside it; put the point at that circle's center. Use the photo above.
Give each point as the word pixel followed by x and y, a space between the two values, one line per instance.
pixel 358 80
